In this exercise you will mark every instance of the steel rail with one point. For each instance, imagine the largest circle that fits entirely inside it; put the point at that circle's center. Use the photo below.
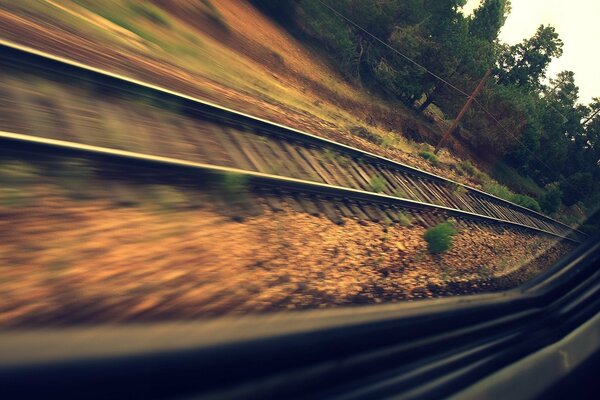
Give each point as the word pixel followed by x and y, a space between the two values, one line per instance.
pixel 29 143
pixel 272 127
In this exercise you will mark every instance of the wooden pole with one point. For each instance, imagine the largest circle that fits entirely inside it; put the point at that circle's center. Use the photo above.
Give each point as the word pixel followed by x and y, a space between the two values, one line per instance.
pixel 462 112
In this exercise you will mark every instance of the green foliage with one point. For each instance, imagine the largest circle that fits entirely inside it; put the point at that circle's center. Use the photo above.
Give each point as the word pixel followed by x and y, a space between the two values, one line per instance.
pixel 488 19
pixel 377 184
pixel 551 199
pixel 525 64
pixel 576 187
pixel 526 201
pixel 532 123
pixel 503 192
pixel 432 158
pixel 439 238
pixel 466 167
pixel 516 181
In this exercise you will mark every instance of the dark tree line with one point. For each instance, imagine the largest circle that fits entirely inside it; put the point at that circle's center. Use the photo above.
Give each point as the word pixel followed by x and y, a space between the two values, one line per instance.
pixel 541 129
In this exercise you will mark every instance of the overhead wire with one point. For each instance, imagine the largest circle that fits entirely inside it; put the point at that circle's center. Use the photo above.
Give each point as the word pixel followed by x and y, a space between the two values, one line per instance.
pixel 414 62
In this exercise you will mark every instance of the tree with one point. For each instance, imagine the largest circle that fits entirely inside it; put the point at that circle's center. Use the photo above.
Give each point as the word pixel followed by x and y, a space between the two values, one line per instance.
pixel 488 18
pixel 525 64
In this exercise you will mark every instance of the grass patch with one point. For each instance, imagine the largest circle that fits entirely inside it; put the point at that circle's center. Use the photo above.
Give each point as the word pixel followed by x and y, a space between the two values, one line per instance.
pixel 515 181
pixel 466 168
pixel 439 238
pixel 377 184
pixel 503 192
pixel 432 158
pixel 389 141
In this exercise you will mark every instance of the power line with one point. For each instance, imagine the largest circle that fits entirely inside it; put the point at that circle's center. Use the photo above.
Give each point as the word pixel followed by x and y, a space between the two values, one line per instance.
pixel 339 14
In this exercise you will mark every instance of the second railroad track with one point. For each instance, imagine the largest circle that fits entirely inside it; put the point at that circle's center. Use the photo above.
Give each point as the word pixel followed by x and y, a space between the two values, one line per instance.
pixel 334 179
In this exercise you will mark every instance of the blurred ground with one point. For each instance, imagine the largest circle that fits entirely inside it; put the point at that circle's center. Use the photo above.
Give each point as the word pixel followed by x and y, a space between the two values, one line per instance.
pixel 229 53
pixel 76 249
pixel 105 252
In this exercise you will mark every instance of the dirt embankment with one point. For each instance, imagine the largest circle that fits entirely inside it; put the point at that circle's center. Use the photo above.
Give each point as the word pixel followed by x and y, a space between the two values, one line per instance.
pixel 238 58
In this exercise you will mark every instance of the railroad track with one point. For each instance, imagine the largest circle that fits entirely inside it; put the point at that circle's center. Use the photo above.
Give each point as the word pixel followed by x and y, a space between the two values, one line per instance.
pixel 310 173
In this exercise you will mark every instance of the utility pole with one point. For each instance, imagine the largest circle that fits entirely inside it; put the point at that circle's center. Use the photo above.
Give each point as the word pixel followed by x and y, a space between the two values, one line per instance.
pixel 462 112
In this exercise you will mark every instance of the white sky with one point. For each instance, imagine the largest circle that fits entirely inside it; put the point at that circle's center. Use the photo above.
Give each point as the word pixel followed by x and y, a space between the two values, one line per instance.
pixel 578 25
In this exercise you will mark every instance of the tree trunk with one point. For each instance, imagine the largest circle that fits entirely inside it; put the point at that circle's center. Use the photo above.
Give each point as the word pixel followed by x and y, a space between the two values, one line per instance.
pixel 429 99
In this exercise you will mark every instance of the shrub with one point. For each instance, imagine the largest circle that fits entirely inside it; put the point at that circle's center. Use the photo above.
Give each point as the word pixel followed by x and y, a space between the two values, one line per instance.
pixel 466 167
pixel 526 201
pixel 576 187
pixel 498 190
pixel 377 184
pixel 439 238
pixel 432 158
pixel 550 200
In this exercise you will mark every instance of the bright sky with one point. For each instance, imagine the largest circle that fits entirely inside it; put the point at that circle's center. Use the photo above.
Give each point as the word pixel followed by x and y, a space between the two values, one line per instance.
pixel 578 25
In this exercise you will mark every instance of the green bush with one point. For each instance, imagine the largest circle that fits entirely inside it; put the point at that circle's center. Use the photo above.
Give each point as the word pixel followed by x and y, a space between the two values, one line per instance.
pixel 550 200
pixel 526 201
pixel 432 158
pixel 466 167
pixel 439 238
pixel 504 193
